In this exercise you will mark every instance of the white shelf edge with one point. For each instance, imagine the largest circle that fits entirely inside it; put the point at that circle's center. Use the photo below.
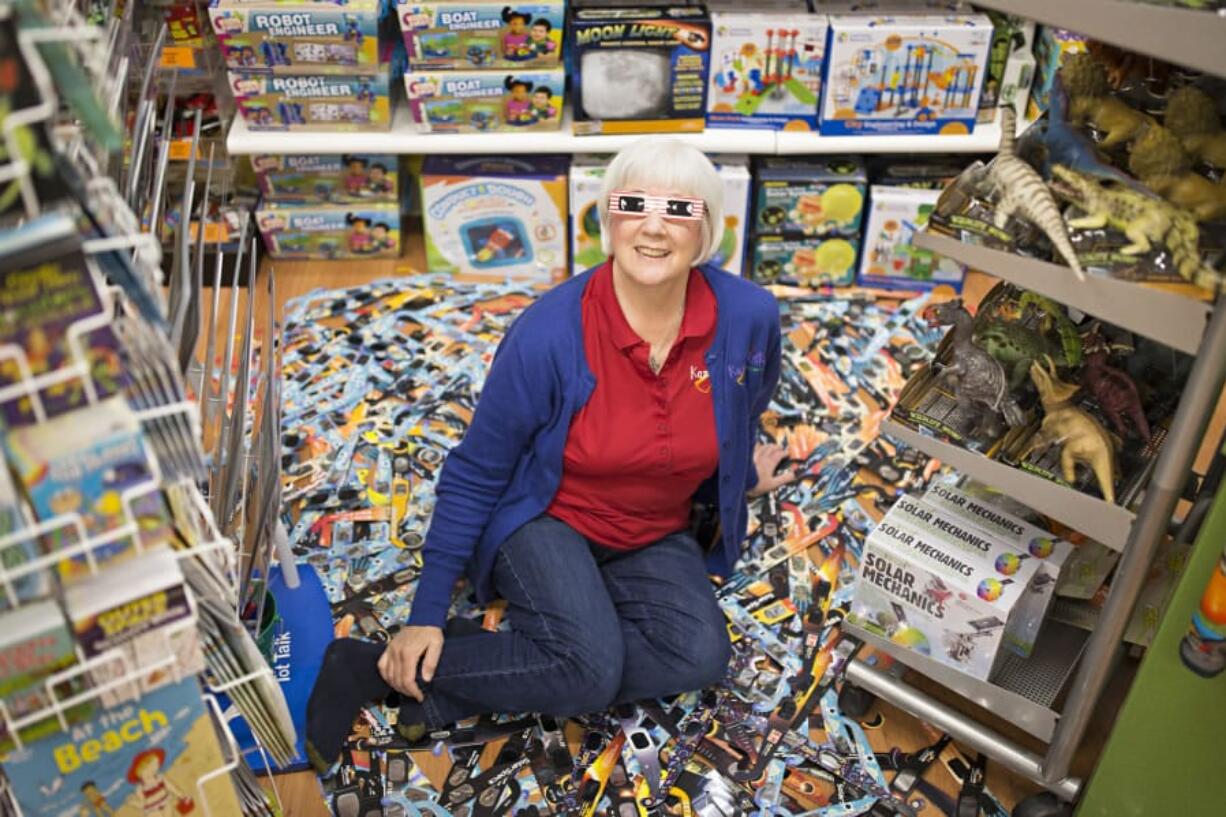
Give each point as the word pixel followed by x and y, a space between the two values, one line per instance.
pixel 404 138
pixel 1167 317
pixel 1106 523
pixel 1183 36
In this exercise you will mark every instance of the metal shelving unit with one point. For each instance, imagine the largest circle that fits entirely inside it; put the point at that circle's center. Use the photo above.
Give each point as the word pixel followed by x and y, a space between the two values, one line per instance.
pixel 1179 35
pixel 1110 524
pixel 1026 692
pixel 403 137
pixel 1167 317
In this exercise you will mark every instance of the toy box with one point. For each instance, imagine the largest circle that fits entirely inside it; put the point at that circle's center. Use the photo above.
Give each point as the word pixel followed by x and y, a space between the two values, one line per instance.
pixel 298 37
pixel 1049 50
pixel 496 218
pixel 479 101
pixel 482 34
pixel 766 65
pixel 586 174
pixel 904 73
pixel 1027 540
pixel 939 590
pixel 890 259
pixel 810 196
pixel 331 231
pixel 343 178
pixel 638 67
pixel 805 261
pixel 1010 66
pixel 312 102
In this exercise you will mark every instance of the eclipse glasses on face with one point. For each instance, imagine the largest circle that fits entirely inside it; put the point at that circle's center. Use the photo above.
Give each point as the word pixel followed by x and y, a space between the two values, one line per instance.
pixel 673 208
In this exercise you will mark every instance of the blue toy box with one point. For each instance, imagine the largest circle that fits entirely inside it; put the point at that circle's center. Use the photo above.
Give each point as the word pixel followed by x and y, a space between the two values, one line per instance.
pixel 904 73
pixel 330 231
pixel 766 65
pixel 491 219
pixel 482 34
pixel 295 37
pixel 343 178
pixel 481 101
pixel 638 67
pixel 312 102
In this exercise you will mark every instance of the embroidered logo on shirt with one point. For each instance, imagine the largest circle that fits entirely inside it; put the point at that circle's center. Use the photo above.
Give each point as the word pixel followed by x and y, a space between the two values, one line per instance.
pixel 701 378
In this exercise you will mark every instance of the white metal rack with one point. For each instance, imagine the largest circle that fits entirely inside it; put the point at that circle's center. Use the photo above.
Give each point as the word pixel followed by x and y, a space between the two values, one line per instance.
pixel 1053 695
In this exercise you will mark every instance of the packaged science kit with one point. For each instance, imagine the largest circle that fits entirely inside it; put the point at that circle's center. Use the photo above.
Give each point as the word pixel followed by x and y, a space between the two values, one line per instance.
pixel 586 174
pixel 805 261
pixel 298 37
pixel 491 218
pixel 331 231
pixel 766 65
pixel 940 588
pixel 482 34
pixel 890 260
pixel 481 101
pixel 904 72
pixel 638 67
pixel 312 102
pixel 809 196
pixel 327 178
pixel 1027 540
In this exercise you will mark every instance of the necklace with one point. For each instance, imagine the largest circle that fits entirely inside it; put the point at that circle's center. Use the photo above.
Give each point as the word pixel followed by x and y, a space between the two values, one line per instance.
pixel 657 363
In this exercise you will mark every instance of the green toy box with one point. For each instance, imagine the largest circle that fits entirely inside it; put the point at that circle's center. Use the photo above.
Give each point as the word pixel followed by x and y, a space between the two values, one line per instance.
pixel 330 231
pixel 809 196
pixel 805 261
pixel 492 219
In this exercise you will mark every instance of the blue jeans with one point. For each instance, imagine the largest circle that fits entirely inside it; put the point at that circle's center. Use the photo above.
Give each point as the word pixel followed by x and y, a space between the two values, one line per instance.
pixel 590 627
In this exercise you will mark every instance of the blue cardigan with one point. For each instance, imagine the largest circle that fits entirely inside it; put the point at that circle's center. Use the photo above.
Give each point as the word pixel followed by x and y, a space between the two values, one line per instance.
pixel 507 468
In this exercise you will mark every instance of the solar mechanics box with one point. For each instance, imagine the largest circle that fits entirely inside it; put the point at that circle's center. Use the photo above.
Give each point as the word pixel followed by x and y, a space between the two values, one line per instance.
pixel 1027 540
pixel 638 67
pixel 940 588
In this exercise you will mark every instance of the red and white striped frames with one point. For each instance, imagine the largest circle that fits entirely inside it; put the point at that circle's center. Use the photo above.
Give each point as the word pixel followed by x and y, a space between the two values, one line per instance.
pixel 673 208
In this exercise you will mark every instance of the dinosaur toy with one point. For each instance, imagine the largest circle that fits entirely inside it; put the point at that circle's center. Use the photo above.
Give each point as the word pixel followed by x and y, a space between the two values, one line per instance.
pixel 1083 439
pixel 1112 389
pixel 976 378
pixel 1053 318
pixel 1059 142
pixel 1191 114
pixel 1015 346
pixel 1016 187
pixel 1145 220
pixel 1119 122
pixel 1159 160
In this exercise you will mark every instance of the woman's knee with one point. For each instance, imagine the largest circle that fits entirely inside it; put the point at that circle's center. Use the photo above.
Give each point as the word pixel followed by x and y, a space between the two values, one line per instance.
pixel 592 676
pixel 708 656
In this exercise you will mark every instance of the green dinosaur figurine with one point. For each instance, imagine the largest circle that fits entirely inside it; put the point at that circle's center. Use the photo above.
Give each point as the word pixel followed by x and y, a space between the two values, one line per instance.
pixel 1054 318
pixel 1016 346
pixel 1145 220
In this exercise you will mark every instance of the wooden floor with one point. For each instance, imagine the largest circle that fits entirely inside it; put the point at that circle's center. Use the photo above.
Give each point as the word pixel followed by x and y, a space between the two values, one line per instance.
pixel 300 792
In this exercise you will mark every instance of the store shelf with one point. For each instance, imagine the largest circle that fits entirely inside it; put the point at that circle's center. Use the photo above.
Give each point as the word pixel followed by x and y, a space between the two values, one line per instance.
pixel 1164 316
pixel 1106 523
pixel 1179 35
pixel 984 139
pixel 403 137
pixel 1025 689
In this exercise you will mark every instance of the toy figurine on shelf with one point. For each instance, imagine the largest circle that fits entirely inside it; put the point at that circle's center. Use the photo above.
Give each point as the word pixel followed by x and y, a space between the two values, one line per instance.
pixel 1159 160
pixel 1016 188
pixel 1091 102
pixel 1112 388
pixel 1192 115
pixel 1081 437
pixel 1146 221
pixel 1016 345
pixel 974 376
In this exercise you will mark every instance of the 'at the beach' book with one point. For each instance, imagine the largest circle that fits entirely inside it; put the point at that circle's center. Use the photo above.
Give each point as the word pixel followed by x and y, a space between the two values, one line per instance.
pixel 141 759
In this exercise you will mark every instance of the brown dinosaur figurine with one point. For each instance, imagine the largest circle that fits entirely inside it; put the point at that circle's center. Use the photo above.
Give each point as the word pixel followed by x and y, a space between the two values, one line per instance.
pixel 1112 389
pixel 1083 439
pixel 1116 120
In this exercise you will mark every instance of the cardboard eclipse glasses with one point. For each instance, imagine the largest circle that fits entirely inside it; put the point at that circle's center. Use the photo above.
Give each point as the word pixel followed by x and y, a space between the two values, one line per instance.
pixel 673 208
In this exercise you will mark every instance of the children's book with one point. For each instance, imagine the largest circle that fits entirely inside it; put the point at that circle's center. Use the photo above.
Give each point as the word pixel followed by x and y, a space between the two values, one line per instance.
pixel 90 462
pixel 140 759
pixel 140 610
pixel 18 588
pixel 52 317
pixel 34 644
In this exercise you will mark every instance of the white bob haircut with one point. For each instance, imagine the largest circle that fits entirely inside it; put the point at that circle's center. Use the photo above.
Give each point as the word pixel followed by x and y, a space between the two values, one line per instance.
pixel 669 164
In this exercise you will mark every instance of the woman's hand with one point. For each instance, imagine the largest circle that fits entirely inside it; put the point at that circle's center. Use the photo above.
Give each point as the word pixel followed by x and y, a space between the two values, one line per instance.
pixel 766 458
pixel 398 664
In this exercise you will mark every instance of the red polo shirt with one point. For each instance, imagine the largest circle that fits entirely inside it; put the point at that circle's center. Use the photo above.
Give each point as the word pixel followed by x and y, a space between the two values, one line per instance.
pixel 643 443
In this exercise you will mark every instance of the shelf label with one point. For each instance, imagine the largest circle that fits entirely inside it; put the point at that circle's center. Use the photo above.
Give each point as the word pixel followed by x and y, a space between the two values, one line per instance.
pixel 178 56
pixel 181 150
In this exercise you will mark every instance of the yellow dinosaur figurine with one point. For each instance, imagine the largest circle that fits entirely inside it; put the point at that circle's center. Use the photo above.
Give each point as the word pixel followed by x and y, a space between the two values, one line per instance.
pixel 1117 121
pixel 1083 439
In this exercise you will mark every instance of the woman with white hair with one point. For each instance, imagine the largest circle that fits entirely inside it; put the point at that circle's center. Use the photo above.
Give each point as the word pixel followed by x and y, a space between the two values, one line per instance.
pixel 614 402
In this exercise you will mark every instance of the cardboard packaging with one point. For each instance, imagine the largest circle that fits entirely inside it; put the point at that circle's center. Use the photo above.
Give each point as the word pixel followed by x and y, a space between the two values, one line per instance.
pixel 890 260
pixel 482 34
pixel 330 231
pixel 327 178
pixel 265 36
pixel 312 102
pixel 483 101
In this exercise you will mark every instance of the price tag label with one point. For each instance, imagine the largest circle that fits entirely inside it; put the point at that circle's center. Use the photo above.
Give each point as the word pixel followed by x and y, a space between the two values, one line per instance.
pixel 178 56
pixel 181 150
